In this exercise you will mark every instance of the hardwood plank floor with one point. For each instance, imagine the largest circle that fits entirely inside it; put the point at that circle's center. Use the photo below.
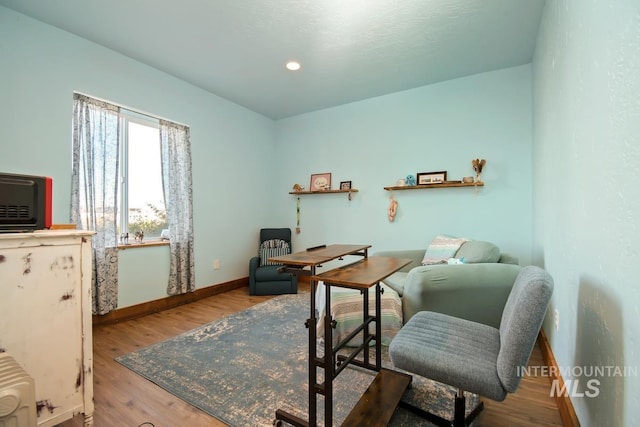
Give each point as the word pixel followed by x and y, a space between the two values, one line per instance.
pixel 124 399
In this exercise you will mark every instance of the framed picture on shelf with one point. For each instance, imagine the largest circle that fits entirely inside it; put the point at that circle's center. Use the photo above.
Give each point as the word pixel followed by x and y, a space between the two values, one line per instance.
pixel 345 185
pixel 320 182
pixel 428 178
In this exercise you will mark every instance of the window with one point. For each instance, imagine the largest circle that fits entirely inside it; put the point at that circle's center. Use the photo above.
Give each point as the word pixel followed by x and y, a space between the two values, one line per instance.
pixel 114 149
pixel 141 204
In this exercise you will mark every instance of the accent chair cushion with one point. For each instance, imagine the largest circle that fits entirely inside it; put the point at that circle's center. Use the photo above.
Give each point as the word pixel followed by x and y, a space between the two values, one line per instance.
pixel 435 345
pixel 270 273
pixel 272 248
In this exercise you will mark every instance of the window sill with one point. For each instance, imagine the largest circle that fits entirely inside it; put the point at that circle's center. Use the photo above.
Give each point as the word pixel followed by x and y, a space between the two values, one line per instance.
pixel 143 245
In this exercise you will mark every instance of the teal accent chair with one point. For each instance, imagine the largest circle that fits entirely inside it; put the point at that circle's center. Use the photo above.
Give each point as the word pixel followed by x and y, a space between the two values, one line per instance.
pixel 476 290
pixel 266 279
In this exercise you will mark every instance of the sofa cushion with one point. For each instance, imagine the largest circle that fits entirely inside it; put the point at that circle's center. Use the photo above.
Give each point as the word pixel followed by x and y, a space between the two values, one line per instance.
pixel 441 249
pixel 508 259
pixel 272 248
pixel 477 251
pixel 396 281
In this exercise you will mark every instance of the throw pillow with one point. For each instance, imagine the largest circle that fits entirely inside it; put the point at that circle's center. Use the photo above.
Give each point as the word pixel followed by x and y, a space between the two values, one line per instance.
pixel 476 251
pixel 272 248
pixel 441 249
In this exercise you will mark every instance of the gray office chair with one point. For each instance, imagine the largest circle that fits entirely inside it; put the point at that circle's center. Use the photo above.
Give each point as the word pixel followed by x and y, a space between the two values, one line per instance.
pixel 471 356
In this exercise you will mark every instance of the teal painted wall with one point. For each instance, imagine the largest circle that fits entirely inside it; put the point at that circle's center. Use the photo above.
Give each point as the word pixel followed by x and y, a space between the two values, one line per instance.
pixel 586 199
pixel 432 128
pixel 245 164
pixel 561 174
pixel 41 67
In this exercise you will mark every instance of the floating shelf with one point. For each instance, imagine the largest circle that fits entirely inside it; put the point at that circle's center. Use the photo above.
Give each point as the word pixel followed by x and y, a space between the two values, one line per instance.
pixel 430 186
pixel 353 190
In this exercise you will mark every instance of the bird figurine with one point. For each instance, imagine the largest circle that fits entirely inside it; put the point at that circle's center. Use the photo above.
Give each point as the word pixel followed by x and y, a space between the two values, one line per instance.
pixel 478 165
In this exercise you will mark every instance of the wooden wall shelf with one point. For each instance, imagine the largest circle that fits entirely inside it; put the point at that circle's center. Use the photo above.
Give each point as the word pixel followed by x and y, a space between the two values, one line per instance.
pixel 430 186
pixel 353 190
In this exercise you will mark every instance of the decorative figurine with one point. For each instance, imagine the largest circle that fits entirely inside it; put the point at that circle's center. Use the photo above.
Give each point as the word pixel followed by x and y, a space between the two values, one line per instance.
pixel 139 236
pixel 393 208
pixel 124 238
pixel 478 164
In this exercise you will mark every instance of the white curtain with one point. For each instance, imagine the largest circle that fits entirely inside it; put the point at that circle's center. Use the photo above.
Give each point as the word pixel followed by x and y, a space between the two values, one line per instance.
pixel 176 180
pixel 94 192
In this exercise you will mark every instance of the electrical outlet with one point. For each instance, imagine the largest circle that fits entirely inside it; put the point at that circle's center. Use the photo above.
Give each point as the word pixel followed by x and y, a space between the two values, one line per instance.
pixel 556 319
pixel 216 264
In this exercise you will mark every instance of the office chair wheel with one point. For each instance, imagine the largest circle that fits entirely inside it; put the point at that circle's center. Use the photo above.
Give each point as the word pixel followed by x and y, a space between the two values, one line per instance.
pixel 277 423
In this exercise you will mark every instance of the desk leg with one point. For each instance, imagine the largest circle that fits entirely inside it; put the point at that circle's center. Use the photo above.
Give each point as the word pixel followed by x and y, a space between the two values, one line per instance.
pixel 365 332
pixel 378 320
pixel 282 415
pixel 329 359
pixel 313 354
pixel 378 327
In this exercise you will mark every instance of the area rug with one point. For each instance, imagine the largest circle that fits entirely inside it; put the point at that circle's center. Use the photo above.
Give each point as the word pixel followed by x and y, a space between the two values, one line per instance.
pixel 243 367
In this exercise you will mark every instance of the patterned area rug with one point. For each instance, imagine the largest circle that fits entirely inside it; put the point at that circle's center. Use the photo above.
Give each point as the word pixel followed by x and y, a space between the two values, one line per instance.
pixel 241 368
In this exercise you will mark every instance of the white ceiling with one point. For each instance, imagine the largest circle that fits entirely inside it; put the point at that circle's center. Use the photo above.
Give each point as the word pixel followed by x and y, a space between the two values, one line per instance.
pixel 349 49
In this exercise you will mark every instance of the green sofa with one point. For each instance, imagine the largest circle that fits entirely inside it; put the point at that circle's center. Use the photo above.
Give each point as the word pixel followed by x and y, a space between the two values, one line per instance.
pixel 476 290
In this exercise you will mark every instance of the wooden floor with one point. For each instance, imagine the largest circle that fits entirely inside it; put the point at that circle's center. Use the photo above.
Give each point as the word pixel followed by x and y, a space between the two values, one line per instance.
pixel 124 399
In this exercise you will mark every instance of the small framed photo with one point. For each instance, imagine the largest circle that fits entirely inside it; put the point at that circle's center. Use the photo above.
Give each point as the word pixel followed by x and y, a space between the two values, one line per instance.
pixel 345 185
pixel 320 182
pixel 428 178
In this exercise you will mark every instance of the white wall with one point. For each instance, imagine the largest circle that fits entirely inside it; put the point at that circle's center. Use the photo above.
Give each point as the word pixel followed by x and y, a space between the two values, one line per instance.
pixel 41 67
pixel 433 128
pixel 586 197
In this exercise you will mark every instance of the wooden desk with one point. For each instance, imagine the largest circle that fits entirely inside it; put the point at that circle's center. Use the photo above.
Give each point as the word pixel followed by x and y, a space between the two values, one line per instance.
pixel 381 398
pixel 315 257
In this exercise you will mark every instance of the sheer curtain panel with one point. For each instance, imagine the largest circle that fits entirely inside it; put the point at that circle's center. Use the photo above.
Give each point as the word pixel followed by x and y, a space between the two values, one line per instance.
pixel 176 180
pixel 94 191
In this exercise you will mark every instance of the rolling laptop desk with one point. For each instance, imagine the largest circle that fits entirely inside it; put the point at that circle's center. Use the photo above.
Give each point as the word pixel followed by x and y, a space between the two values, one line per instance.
pixel 377 404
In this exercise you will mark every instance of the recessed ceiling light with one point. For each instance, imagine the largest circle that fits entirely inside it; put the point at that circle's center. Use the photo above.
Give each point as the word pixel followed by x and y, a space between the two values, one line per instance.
pixel 293 66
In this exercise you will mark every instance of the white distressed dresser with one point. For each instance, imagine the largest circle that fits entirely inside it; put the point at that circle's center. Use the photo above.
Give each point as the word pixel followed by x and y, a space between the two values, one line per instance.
pixel 45 318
